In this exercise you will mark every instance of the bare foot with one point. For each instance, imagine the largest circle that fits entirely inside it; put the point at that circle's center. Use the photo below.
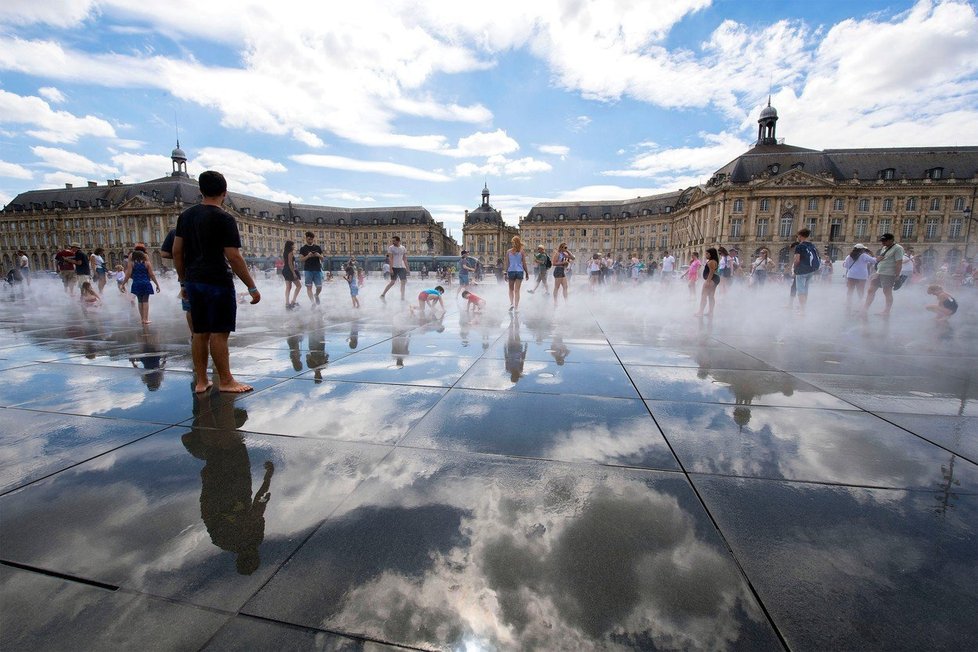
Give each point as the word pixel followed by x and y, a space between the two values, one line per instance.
pixel 236 388
pixel 698 314
pixel 200 389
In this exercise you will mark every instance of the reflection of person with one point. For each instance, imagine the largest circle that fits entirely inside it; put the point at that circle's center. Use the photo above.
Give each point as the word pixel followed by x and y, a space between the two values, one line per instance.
pixel 399 344
pixel 515 351
pixel 559 350
pixel 235 520
pixel 207 241
pixel 317 358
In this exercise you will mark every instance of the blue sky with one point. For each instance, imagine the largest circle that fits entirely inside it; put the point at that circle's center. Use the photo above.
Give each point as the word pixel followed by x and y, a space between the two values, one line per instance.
pixel 402 102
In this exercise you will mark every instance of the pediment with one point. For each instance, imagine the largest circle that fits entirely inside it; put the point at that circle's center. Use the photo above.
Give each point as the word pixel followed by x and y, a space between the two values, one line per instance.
pixel 796 178
pixel 137 203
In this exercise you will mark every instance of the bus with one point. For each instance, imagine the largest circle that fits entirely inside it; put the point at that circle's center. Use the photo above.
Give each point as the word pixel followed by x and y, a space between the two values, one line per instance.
pixel 374 263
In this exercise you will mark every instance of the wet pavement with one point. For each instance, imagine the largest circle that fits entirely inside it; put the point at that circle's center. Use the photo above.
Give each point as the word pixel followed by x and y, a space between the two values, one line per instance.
pixel 603 476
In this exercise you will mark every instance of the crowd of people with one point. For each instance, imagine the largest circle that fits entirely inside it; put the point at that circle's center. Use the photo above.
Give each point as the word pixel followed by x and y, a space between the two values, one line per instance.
pixel 205 249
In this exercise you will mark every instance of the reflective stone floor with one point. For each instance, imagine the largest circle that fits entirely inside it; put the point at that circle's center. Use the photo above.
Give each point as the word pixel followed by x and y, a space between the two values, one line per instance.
pixel 610 475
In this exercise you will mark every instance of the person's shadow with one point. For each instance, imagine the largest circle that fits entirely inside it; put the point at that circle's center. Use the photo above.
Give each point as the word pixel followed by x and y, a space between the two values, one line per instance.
pixel 235 520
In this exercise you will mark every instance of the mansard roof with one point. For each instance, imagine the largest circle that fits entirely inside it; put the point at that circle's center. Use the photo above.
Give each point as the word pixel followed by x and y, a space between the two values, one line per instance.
pixel 911 163
pixel 648 205
pixel 172 190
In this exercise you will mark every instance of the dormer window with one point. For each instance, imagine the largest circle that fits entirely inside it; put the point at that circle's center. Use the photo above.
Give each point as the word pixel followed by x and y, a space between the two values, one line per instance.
pixel 798 166
pixel 539 217
pixel 888 174
pixel 935 173
pixel 393 220
pixel 341 221
pixel 561 217
pixel 414 220
pixel 625 214
pixel 583 216
pixel 607 216
pixel 375 221
pixel 319 220
pixel 295 219
pixel 774 168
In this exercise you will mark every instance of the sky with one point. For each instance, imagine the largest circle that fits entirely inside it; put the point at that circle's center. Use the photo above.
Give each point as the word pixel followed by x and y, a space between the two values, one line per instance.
pixel 421 102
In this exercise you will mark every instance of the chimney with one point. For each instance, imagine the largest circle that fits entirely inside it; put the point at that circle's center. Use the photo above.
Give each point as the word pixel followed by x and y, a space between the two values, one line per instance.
pixel 68 186
pixel 109 182
pixel 92 184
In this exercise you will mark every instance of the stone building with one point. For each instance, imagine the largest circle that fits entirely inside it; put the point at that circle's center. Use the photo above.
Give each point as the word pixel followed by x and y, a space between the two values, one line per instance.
pixel 641 227
pixel 116 216
pixel 924 195
pixel 484 234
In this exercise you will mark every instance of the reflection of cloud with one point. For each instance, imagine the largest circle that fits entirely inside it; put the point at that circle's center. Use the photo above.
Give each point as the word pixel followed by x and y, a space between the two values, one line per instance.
pixel 562 562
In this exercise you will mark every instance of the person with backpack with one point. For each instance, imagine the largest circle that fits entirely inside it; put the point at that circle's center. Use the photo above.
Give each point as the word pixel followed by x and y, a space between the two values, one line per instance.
pixel 543 265
pixel 806 263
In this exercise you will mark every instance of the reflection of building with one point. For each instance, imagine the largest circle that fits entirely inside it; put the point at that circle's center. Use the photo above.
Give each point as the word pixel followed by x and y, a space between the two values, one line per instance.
pixel 484 233
pixel 924 195
pixel 116 216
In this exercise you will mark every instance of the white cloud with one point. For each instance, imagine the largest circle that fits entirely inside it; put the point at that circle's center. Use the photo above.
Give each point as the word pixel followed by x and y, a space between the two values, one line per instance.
pixel 701 161
pixel 874 82
pixel 557 150
pixel 245 173
pixel 142 167
pixel 500 166
pixel 66 161
pixel 51 94
pixel 578 123
pixel 53 126
pixel 60 178
pixel 483 144
pixel 375 167
pixel 14 171
pixel 345 196
pixel 60 13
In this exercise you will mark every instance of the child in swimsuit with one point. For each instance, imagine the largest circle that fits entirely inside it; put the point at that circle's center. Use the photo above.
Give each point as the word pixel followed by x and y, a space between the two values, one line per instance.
pixel 946 304
pixel 473 302
pixel 432 297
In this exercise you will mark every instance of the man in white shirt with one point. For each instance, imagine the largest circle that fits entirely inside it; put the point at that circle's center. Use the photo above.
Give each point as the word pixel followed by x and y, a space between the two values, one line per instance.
pixel 25 266
pixel 398 258
pixel 668 265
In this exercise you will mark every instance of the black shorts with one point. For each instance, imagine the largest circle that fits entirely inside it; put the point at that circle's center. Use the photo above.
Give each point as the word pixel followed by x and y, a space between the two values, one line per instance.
pixel 288 275
pixel 559 272
pixel 399 273
pixel 213 308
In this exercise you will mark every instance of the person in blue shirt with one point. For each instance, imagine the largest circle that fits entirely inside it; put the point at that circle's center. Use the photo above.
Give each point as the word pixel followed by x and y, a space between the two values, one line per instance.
pixel 432 297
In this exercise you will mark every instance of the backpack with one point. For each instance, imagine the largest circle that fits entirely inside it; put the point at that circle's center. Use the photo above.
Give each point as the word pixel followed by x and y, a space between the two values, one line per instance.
pixel 808 258
pixel 549 262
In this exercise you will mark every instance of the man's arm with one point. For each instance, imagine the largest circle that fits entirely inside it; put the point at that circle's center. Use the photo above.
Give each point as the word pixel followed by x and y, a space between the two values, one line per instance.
pixel 796 262
pixel 178 257
pixel 240 269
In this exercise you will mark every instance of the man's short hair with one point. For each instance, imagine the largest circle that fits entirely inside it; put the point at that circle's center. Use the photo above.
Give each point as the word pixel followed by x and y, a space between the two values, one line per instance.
pixel 397 238
pixel 310 234
pixel 805 233
pixel 212 184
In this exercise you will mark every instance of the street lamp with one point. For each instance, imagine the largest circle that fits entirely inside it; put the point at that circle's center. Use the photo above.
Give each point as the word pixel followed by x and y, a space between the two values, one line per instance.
pixel 967 238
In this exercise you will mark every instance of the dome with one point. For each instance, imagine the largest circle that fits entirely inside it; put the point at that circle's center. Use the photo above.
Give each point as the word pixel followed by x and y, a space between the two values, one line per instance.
pixel 178 153
pixel 769 112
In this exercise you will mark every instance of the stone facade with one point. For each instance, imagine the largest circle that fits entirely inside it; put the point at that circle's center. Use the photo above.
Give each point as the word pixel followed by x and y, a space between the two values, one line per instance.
pixel 484 234
pixel 117 216
pixel 925 196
